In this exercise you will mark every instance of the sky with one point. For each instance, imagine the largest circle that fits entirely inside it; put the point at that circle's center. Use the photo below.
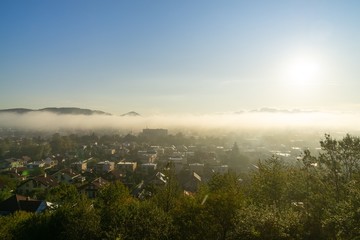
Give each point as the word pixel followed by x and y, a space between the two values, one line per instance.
pixel 174 57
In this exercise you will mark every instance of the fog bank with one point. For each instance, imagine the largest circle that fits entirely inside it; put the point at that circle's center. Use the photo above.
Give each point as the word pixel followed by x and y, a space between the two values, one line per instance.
pixel 43 121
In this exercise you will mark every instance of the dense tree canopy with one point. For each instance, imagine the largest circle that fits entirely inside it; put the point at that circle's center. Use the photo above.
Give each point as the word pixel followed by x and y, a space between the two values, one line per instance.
pixel 318 198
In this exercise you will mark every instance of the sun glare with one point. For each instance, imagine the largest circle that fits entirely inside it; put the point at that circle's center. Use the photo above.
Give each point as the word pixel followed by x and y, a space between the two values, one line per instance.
pixel 302 71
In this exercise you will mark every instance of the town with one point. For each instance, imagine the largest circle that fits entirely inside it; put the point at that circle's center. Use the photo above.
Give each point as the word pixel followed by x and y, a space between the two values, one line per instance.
pixel 33 166
pixel 161 185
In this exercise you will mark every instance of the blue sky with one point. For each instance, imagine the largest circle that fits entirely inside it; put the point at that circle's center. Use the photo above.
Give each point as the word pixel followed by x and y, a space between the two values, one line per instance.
pixel 180 56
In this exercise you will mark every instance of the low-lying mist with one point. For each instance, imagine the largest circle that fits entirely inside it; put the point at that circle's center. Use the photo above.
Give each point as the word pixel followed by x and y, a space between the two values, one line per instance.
pixel 320 121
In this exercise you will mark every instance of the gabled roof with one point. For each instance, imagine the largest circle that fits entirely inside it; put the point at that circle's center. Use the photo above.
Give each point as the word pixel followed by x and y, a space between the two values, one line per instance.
pixel 21 203
pixel 99 182
pixel 96 183
pixel 47 181
pixel 66 171
pixel 157 179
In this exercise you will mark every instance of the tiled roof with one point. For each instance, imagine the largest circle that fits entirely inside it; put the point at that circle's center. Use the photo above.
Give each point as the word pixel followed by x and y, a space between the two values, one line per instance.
pixel 47 181
pixel 96 183
pixel 18 202
pixel 99 182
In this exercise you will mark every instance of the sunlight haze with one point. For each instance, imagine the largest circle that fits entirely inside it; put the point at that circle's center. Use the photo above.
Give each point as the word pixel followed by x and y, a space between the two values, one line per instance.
pixel 180 57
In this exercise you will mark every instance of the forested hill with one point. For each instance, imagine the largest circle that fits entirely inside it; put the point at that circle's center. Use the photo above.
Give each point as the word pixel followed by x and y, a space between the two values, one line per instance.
pixel 61 110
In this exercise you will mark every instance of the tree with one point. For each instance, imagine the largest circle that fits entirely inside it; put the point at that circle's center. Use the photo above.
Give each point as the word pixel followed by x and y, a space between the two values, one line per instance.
pixel 166 196
pixel 258 223
pixel 268 183
pixel 144 220
pixel 192 220
pixel 61 144
pixel 340 160
pixel 111 203
pixel 11 224
pixel 64 194
pixel 342 221
pixel 4 147
pixel 224 198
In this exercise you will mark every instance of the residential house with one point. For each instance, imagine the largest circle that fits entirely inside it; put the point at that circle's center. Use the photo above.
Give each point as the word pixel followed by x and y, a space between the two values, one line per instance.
pixel 157 149
pixel 36 164
pixel 146 156
pixel 148 168
pixel 49 162
pixel 22 203
pixel 169 150
pixel 90 189
pixel 80 166
pixel 124 167
pixel 16 173
pixel 11 163
pixel 177 160
pixel 35 183
pixel 105 167
pixel 66 176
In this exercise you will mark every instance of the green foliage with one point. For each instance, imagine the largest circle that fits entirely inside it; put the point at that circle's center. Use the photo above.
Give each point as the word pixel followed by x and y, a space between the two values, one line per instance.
pixel 61 144
pixel 166 196
pixel 123 217
pixel 224 198
pixel 146 221
pixel 341 162
pixel 342 221
pixel 37 171
pixel 9 185
pixel 268 183
pixel 37 226
pixel 317 199
pixel 112 202
pixel 27 147
pixel 79 221
pixel 63 194
pixel 253 222
pixel 11 224
pixel 192 220
pixel 5 194
pixel 5 145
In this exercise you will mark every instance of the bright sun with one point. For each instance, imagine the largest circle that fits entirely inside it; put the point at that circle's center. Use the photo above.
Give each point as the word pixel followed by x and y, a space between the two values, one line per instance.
pixel 302 71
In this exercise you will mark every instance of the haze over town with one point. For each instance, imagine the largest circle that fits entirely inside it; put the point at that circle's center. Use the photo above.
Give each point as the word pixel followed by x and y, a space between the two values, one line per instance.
pixel 216 123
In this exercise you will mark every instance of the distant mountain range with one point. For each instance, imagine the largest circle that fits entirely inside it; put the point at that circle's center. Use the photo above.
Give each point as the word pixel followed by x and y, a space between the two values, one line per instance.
pixel 82 111
pixel 64 110
pixel 131 114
